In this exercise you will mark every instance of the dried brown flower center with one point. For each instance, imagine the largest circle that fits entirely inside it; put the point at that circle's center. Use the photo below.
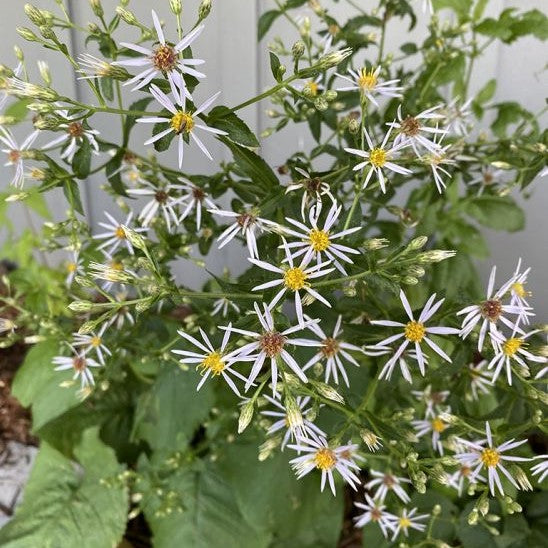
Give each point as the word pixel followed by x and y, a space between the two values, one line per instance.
pixel 410 126
pixel 75 129
pixel 330 347
pixel 491 309
pixel 272 343
pixel 164 58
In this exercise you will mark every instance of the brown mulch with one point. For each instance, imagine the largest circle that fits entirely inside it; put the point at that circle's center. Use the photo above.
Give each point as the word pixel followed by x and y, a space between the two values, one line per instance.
pixel 15 420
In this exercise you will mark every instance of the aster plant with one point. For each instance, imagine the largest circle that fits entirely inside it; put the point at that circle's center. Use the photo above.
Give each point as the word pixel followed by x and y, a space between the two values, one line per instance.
pixel 350 382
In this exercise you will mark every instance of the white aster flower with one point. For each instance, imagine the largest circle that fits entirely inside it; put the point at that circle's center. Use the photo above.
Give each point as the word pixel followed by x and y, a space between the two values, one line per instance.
pixel 383 350
pixel 438 159
pixel 433 399
pixel 456 117
pixel 93 342
pixel 162 201
pixel 115 234
pixel 490 311
pixel 481 380
pixel 317 240
pixel 375 512
pixel 369 84
pixel 74 133
pixel 510 350
pixel 409 520
pixel 73 267
pixel 80 363
pixel 487 178
pixel 540 469
pixel 379 158
pixel 385 482
pixel 415 332
pixel 16 154
pixel 211 361
pixel 319 455
pixel 460 477
pixel 333 350
pixel 247 224
pixel 163 59
pixel 304 430
pixel 182 122
pixel 434 425
pixel 313 189
pixel 411 130
pixel 269 343
pixel 518 292
pixel 491 458
pixel 195 198
pixel 295 279
pixel 222 305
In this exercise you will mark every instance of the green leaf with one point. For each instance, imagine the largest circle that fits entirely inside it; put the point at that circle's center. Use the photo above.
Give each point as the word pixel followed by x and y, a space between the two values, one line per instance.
pixel 223 118
pixel 252 165
pixel 275 66
pixel 138 106
pixel 460 7
pixel 66 506
pixel 173 395
pixel 112 171
pixel 107 87
pixel 498 212
pixel 72 194
pixel 479 8
pixel 265 22
pixel 486 92
pixel 37 203
pixel 18 110
pixel 508 113
pixel 82 160
pixel 162 144
pixel 37 384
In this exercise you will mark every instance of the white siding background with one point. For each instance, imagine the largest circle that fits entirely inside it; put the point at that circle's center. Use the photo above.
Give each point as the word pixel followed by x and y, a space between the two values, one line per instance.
pixel 238 66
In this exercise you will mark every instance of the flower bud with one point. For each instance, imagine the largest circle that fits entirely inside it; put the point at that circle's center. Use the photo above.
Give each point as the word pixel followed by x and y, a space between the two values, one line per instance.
pixel 49 122
pixel 330 95
pixel 127 16
pixel 417 243
pixel 438 474
pixel 353 126
pixel 298 49
pixel 483 505
pixel 333 59
pixel 35 15
pixel 409 280
pixel 370 439
pixel 27 34
pixel 521 477
pixel 266 449
pixel 134 238
pixel 473 517
pixel 327 391
pixel 18 53
pixel 417 271
pixel 48 33
pixel 435 256
pixel 7 120
pixel 97 7
pixel 204 9
pixel 81 306
pixel 88 327
pixel 292 412
pixel 321 104
pixel 375 243
pixel 43 67
pixel 176 7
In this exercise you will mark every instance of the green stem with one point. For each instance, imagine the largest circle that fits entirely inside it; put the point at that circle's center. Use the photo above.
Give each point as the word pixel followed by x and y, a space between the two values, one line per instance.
pixel 337 281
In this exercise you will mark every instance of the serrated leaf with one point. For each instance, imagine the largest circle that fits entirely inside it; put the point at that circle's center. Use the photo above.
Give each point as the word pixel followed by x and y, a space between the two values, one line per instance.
pixel 65 505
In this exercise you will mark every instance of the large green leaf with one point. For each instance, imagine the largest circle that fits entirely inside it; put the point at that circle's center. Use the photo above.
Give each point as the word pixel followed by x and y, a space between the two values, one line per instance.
pixel 168 414
pixel 37 385
pixel 265 22
pixel 498 212
pixel 223 118
pixel 66 505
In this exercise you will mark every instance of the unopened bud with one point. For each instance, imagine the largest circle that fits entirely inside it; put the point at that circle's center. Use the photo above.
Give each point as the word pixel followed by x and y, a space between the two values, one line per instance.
pixel 298 49
pixel 353 126
pixel 321 104
pixel 18 53
pixel 417 243
pixel 246 414
pixel 48 33
pixel 375 243
pixel 44 72
pixel 417 271
pixel 81 306
pixel 409 280
pixel 473 517
pixel 27 34
pixel 521 477
pixel 176 7
pixel 483 505
pixel 35 15
pixel 204 9
pixel 134 238
pixel 127 16
pixel 87 327
pixel 327 391
pixel 97 7
pixel 435 256
pixel 438 474
pixel 436 510
pixel 333 59
pixel 292 412
pixel 330 95
pixel 370 439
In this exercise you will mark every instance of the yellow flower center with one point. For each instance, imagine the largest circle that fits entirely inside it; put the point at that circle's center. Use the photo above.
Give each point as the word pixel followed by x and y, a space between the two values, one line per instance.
pixel 415 331
pixel 295 278
pixel 519 290
pixel 490 457
pixel 96 341
pixel 214 362
pixel 182 122
pixel 367 79
pixel 325 459
pixel 319 239
pixel 405 522
pixel 511 346
pixel 120 233
pixel 71 267
pixel 115 265
pixel 164 58
pixel 312 88
pixel 438 425
pixel 377 157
